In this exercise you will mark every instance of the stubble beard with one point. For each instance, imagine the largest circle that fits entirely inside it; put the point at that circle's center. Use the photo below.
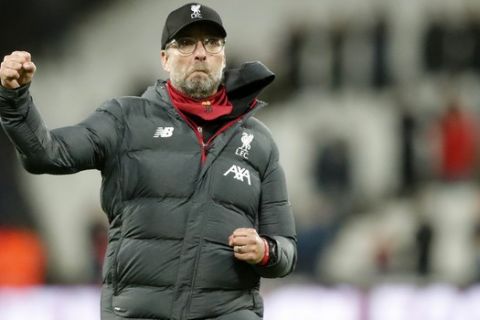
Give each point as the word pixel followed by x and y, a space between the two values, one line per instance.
pixel 197 86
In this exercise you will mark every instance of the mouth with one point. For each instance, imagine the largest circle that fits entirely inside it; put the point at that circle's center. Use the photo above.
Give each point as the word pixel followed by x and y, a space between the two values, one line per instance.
pixel 199 71
pixel 199 74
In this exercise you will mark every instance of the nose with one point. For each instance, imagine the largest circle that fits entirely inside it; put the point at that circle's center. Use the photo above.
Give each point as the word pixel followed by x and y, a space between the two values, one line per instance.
pixel 200 53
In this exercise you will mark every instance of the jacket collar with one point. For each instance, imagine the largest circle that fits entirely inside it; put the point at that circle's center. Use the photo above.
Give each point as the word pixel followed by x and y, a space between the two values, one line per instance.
pixel 243 85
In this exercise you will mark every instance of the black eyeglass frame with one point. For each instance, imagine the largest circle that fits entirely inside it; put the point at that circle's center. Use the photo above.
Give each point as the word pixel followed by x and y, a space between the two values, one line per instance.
pixel 175 44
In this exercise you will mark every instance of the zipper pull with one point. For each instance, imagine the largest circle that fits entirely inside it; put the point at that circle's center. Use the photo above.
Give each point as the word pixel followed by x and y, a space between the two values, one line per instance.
pixel 200 129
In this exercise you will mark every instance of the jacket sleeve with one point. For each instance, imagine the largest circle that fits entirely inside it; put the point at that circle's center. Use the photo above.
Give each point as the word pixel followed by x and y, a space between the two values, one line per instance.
pixel 276 221
pixel 65 150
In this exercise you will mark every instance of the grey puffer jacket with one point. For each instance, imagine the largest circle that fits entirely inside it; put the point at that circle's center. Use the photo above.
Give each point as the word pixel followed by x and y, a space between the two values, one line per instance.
pixel 171 200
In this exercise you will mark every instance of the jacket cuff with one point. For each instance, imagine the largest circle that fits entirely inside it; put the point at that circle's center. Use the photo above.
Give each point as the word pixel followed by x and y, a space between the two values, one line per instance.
pixel 272 254
pixel 13 101
pixel 13 94
pixel 285 261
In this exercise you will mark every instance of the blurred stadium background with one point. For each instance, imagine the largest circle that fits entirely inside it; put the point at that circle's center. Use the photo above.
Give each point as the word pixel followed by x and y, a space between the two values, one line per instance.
pixel 376 113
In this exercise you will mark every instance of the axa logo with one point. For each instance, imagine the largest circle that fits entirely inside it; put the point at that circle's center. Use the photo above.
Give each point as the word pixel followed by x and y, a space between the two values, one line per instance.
pixel 196 11
pixel 163 132
pixel 239 173
pixel 246 139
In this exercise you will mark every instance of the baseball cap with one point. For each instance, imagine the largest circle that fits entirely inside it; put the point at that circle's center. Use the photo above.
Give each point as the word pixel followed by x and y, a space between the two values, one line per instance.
pixel 188 14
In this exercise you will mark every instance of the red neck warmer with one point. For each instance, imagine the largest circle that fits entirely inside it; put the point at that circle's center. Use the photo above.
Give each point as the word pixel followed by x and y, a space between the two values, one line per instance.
pixel 210 108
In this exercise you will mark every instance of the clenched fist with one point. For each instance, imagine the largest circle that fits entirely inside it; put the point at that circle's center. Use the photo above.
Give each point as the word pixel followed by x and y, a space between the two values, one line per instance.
pixel 16 70
pixel 247 245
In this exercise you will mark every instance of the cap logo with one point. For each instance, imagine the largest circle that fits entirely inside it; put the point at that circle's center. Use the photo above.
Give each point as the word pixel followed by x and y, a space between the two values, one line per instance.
pixel 196 11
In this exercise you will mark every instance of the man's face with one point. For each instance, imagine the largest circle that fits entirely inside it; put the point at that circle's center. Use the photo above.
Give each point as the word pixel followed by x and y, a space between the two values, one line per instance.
pixel 198 74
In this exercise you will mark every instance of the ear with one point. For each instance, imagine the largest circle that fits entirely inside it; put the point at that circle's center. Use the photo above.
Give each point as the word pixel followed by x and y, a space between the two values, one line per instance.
pixel 164 56
pixel 224 62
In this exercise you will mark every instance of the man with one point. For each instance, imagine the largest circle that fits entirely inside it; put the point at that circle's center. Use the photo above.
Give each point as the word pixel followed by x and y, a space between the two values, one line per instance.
pixel 192 187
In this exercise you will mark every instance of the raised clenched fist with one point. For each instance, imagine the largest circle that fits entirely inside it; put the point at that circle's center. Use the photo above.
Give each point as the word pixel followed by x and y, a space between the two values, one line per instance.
pixel 16 70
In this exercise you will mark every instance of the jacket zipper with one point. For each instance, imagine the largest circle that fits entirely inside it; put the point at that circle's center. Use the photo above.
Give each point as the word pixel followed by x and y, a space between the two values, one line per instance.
pixel 198 130
pixel 194 276
pixel 205 147
pixel 198 133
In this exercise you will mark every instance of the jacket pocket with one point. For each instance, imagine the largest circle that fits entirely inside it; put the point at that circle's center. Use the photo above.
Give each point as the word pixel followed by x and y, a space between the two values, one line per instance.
pixel 107 264
pixel 115 271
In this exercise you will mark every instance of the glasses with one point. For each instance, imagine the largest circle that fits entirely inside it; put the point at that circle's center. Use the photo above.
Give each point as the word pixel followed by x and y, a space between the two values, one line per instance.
pixel 187 46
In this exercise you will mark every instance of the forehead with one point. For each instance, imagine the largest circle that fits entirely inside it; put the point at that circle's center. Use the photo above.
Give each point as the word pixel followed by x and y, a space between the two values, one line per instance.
pixel 199 30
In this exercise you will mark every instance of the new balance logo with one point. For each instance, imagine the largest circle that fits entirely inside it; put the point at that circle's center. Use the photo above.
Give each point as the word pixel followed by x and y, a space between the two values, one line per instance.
pixel 163 132
pixel 239 173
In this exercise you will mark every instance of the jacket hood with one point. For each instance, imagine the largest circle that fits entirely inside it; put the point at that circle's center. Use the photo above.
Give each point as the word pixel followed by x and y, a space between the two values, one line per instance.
pixel 243 84
pixel 248 80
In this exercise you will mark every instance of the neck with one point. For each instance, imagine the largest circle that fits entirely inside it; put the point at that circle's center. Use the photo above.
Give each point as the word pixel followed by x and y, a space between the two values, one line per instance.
pixel 208 108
